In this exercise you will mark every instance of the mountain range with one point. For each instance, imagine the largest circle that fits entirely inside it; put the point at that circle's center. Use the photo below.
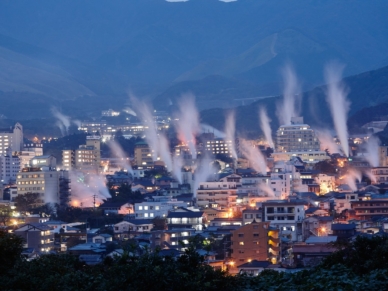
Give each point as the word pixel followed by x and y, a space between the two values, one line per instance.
pixel 80 54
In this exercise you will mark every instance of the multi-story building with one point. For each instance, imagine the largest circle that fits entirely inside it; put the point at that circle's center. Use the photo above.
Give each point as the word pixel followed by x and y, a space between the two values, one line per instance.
pixel 110 113
pixel 143 155
pixel 380 174
pixel 222 194
pixel 11 138
pixel 36 148
pixel 255 241
pixel 9 167
pixel 367 209
pixel 87 156
pixel 43 178
pixel 24 158
pixel 37 236
pixel 217 146
pixel 159 206
pixel 177 239
pixel 185 218
pixel 298 139
pixel 287 216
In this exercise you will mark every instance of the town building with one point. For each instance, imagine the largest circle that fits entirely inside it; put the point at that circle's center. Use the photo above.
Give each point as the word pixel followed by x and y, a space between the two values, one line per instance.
pixel 42 177
pixel 11 138
pixel 37 236
pixel 223 194
pixel 185 218
pixel 255 241
pixel 368 209
pixel 86 157
pixel 143 155
pixel 286 215
pixel 9 167
pixel 157 206
pixel 298 140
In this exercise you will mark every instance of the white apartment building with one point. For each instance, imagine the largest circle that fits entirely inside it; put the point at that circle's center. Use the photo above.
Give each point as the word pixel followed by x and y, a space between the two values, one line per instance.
pixel 222 193
pixel 298 140
pixel 285 180
pixel 9 167
pixel 286 215
pixel 158 207
pixel 11 138
pixel 43 178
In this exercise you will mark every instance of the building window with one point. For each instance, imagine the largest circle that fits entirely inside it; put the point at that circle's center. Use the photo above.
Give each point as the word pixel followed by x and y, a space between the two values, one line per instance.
pixel 240 235
pixel 241 243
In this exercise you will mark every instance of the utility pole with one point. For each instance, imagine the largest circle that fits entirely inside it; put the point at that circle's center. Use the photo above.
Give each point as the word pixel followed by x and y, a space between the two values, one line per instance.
pixel 94 201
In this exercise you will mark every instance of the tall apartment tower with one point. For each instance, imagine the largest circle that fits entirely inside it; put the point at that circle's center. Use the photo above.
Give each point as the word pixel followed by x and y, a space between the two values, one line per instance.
pixel 298 139
pixel 11 138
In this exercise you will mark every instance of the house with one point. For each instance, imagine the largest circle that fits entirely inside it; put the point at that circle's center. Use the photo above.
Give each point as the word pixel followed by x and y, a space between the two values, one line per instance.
pixel 248 215
pixel 253 267
pixel 102 238
pixel 309 255
pixel 37 236
pixel 226 221
pixel 321 239
pixel 90 260
pixel 316 211
pixel 127 228
pixel 212 213
pixel 343 231
pixel 117 207
pixel 317 226
pixel 87 249
pixel 157 206
pixel 185 218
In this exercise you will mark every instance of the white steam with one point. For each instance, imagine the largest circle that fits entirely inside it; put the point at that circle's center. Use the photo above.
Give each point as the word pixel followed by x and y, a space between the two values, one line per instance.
pixel 287 109
pixel 255 157
pixel 339 105
pixel 188 124
pixel 63 121
pixel 203 171
pixel 265 126
pixel 351 178
pixel 264 187
pixel 84 190
pixel 230 128
pixel 177 168
pixel 205 128
pixel 327 142
pixel 372 151
pixel 120 154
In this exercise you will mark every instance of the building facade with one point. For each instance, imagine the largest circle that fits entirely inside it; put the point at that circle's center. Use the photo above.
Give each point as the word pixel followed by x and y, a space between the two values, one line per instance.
pixel 255 241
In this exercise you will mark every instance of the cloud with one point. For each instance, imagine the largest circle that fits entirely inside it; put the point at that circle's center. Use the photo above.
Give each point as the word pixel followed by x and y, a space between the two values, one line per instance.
pixel 227 1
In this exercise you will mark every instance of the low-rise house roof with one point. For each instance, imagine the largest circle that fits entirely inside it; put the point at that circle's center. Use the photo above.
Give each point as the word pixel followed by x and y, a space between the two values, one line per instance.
pixel 254 264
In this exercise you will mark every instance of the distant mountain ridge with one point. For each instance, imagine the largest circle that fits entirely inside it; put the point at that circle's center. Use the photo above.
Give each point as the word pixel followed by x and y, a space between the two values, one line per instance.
pixel 365 90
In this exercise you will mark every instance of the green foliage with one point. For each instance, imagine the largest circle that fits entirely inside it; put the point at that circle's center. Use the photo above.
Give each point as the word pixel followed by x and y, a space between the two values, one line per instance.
pixel 27 201
pixel 10 250
pixel 124 193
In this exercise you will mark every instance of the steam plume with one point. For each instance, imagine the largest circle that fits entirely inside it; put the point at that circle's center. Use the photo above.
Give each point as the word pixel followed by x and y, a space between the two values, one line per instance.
pixel 84 189
pixel 266 189
pixel 177 168
pixel 205 128
pixel 351 177
pixel 119 154
pixel 339 105
pixel 255 157
pixel 287 109
pixel 265 127
pixel 63 121
pixel 230 129
pixel 372 151
pixel 327 141
pixel 203 172
pixel 145 115
pixel 188 125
